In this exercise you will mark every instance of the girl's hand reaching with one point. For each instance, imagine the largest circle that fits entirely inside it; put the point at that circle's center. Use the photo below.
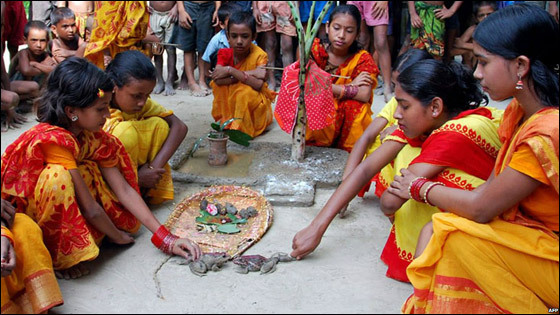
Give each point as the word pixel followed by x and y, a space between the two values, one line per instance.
pixel 186 248
pixel 305 242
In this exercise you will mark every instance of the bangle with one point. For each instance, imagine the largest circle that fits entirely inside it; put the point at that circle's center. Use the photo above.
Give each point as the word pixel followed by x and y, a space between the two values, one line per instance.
pixel 159 236
pixel 432 185
pixel 341 95
pixel 414 188
pixel 352 91
pixel 168 243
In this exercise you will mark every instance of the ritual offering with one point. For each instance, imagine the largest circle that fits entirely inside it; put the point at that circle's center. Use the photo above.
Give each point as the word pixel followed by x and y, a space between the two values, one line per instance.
pixel 222 219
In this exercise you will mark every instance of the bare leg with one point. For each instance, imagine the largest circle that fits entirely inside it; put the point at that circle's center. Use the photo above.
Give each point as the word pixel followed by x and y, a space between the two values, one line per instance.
pixel 191 81
pixel 424 238
pixel 382 48
pixel 202 75
pixel 158 61
pixel 287 50
pixel 406 45
pixel 73 272
pixel 13 119
pixel 363 38
pixel 171 71
pixel 270 48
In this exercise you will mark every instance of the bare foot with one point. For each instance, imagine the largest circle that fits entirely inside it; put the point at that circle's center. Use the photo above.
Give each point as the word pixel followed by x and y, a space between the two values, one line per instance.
pixel 204 87
pixel 196 90
pixel 159 87
pixel 387 93
pixel 73 272
pixel 183 85
pixel 169 90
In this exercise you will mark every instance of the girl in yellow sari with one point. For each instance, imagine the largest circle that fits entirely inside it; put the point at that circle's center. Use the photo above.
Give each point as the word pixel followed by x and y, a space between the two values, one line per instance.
pixel 74 179
pixel 352 89
pixel 497 249
pixel 29 285
pixel 149 132
pixel 435 101
pixel 238 82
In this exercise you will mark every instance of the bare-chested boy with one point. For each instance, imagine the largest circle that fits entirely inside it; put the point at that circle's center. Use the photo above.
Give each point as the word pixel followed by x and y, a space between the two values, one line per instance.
pixel 67 42
pixel 82 10
pixel 163 18
pixel 33 63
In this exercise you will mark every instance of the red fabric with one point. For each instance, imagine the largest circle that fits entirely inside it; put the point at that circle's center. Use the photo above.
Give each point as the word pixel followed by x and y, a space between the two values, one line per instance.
pixel 225 57
pixel 14 22
pixel 396 259
pixel 416 142
pixel 457 139
pixel 319 104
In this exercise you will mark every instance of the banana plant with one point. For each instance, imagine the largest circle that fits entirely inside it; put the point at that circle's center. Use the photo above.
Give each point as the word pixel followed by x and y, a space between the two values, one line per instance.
pixel 220 132
pixel 305 40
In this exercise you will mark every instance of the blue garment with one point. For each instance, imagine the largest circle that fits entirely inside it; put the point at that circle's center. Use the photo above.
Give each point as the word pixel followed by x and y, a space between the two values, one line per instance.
pixel 305 8
pixel 246 6
pixel 503 4
pixel 217 42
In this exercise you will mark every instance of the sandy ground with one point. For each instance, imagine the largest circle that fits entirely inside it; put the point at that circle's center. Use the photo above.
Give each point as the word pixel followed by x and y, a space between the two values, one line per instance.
pixel 344 275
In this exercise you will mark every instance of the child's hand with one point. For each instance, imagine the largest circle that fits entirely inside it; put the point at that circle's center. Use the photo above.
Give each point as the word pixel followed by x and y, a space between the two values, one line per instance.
pixel 185 20
pixel 215 20
pixel 107 60
pixel 220 72
pixel 184 246
pixel 173 14
pixel 7 256
pixel 443 13
pixel 305 242
pixel 149 176
pixel 416 21
pixel 378 9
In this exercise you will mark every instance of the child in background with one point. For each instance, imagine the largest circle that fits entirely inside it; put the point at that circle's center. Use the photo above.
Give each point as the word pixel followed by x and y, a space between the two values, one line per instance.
pixel 463 45
pixel 196 21
pixel 79 184
pixel 67 42
pixel 33 63
pixel 82 10
pixel 305 10
pixel 219 40
pixel 149 132
pixel 238 81
pixel 14 24
pixel 427 31
pixel 275 17
pixel 163 18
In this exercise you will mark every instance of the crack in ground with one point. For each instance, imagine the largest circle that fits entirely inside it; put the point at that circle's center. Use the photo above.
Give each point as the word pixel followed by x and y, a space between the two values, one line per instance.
pixel 158 286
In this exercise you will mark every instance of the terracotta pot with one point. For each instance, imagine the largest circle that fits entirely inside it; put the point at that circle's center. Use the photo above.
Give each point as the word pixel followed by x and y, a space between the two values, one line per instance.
pixel 218 151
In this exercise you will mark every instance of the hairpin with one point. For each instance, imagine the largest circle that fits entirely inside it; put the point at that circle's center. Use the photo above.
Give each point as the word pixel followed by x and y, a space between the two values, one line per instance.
pixel 100 93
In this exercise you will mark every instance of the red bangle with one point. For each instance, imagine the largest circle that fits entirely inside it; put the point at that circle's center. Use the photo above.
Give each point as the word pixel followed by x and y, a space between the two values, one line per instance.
pixel 160 235
pixel 414 188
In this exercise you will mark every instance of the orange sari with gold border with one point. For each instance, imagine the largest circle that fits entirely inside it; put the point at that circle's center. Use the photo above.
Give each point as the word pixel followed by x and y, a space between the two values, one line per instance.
pixel 466 146
pixel 118 26
pixel 509 265
pixel 352 117
pixel 46 191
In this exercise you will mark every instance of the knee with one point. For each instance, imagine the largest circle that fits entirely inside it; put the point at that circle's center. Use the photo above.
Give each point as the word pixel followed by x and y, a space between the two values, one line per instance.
pixel 427 230
pixel 380 43
pixel 11 99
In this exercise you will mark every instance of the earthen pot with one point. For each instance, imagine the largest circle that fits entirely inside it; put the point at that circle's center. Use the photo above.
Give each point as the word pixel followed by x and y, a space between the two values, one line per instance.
pixel 218 151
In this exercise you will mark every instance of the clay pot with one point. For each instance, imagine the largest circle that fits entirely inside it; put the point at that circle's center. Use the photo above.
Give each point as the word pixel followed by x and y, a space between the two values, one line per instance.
pixel 218 151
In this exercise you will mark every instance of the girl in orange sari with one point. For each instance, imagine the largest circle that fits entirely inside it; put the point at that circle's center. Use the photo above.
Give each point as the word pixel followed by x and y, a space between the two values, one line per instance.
pixel 75 180
pixel 497 250
pixel 435 101
pixel 352 89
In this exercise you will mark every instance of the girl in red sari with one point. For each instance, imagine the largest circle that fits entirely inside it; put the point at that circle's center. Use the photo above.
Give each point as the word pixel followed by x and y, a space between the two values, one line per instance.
pixel 435 101
pixel 496 251
pixel 75 180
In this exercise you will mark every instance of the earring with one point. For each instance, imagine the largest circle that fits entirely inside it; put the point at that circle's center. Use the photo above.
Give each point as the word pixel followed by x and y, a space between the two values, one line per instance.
pixel 74 118
pixel 519 84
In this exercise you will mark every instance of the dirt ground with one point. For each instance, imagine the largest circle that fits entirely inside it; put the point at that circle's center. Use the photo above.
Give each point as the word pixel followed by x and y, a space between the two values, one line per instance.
pixel 344 274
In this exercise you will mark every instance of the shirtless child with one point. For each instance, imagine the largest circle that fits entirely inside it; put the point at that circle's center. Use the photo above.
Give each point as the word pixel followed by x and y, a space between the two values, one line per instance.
pixel 32 63
pixel 68 43
pixel 163 18
pixel 82 10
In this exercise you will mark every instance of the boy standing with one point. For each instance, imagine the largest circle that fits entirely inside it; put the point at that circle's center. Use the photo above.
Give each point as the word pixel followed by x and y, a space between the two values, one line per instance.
pixel 68 42
pixel 32 63
pixel 219 40
pixel 82 10
pixel 163 17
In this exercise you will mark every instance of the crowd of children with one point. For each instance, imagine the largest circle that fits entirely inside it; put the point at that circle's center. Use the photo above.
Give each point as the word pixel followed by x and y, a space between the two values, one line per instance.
pixel 100 152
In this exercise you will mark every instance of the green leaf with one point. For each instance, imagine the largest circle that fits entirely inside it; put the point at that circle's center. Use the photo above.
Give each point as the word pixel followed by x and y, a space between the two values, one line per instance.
pixel 215 126
pixel 224 125
pixel 238 137
pixel 229 228
pixel 196 146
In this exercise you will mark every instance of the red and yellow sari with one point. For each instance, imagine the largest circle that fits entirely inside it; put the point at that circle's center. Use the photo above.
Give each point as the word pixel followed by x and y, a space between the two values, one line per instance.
pixel 352 117
pixel 467 146
pixel 118 26
pixel 239 100
pixel 45 191
pixel 143 134
pixel 31 288
pixel 509 265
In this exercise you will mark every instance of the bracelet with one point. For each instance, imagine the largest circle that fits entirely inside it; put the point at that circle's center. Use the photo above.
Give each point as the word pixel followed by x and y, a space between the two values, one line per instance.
pixel 414 188
pixel 8 234
pixel 341 95
pixel 432 185
pixel 352 91
pixel 158 237
pixel 168 243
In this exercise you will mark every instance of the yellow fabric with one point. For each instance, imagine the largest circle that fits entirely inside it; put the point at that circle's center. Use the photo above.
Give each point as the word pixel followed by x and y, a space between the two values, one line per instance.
pixel 360 119
pixel 143 134
pixel 239 100
pixel 499 267
pixel 58 155
pixel 117 26
pixel 31 288
pixel 386 113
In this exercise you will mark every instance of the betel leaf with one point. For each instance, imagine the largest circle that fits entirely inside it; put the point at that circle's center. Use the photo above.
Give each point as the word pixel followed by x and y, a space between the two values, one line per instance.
pixel 238 137
pixel 229 228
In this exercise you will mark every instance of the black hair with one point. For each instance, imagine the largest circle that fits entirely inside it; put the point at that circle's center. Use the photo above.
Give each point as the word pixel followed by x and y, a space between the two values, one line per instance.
pixel 75 82
pixel 128 65
pixel 410 57
pixel 478 4
pixel 38 25
pixel 226 10
pixel 60 14
pixel 452 82
pixel 243 18
pixel 355 14
pixel 525 30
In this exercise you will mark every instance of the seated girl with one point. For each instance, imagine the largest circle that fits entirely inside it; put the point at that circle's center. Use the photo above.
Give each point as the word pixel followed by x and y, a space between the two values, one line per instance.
pixel 149 132
pixel 433 100
pixel 29 285
pixel 496 251
pixel 238 81
pixel 74 179
pixel 356 73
